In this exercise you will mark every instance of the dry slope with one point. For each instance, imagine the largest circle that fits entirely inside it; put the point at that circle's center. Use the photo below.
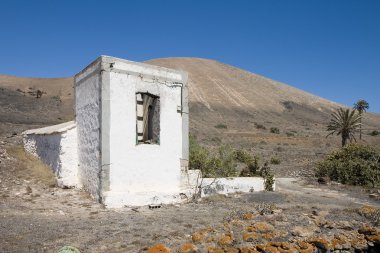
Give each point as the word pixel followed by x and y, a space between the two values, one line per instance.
pixel 227 105
pixel 20 109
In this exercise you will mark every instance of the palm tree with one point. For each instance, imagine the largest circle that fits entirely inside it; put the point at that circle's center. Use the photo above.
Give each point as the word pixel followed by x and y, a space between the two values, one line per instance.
pixel 361 106
pixel 345 123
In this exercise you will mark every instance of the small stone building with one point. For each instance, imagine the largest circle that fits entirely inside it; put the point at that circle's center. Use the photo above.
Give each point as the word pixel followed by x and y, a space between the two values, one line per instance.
pixel 129 141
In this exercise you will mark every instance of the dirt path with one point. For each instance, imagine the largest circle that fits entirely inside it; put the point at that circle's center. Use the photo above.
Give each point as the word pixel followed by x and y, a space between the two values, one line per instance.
pixel 321 195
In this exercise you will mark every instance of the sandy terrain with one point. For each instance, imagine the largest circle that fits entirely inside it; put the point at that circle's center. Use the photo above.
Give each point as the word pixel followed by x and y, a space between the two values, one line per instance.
pixel 36 216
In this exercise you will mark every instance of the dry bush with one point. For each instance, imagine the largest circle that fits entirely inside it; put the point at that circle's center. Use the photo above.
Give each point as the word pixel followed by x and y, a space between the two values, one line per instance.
pixel 31 166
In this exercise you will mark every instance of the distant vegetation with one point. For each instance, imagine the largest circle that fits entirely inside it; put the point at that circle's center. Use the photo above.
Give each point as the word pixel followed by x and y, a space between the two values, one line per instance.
pixel 374 133
pixel 361 106
pixel 221 126
pixel 274 130
pixel 260 126
pixel 224 161
pixel 289 134
pixel 344 122
pixel 275 160
pixel 353 164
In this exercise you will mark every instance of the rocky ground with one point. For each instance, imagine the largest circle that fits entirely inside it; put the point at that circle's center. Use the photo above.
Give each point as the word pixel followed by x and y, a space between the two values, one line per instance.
pixel 300 216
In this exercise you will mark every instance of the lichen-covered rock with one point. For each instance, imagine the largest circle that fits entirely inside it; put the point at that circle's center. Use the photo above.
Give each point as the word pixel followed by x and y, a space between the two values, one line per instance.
pixel 215 250
pixel 366 230
pixel 248 216
pixel 304 231
pixel 248 250
pixel 188 248
pixel 321 243
pixel 263 227
pixel 160 248
pixel 374 238
pixel 225 240
pixel 250 236
pixel 232 250
pixel 197 237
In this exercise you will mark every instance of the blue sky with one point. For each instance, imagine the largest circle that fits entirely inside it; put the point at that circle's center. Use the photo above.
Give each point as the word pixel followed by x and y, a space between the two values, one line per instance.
pixel 328 48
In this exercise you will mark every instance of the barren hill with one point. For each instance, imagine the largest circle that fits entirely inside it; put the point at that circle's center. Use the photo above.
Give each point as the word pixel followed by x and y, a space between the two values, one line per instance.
pixel 21 109
pixel 230 105
pixel 222 94
pixel 227 105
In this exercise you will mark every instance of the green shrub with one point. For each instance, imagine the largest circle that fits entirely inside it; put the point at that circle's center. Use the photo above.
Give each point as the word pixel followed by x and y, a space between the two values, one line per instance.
pixel 268 177
pixel 260 126
pixel 289 134
pixel 274 130
pixel 223 162
pixel 354 164
pixel 251 163
pixel 202 159
pixel 220 164
pixel 221 126
pixel 275 160
pixel 374 133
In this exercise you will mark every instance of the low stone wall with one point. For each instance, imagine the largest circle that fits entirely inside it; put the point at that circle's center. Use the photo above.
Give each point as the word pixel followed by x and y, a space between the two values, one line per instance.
pixel 212 186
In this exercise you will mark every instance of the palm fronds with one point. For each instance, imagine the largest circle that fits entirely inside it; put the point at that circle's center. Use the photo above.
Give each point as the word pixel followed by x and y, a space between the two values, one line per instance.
pixel 345 123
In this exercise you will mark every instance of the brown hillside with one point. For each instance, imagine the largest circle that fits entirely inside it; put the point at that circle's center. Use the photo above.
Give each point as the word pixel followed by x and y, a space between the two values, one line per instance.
pixel 20 109
pixel 222 94
pixel 227 105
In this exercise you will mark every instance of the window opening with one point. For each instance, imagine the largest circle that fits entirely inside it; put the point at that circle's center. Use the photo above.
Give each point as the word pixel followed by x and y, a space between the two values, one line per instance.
pixel 148 118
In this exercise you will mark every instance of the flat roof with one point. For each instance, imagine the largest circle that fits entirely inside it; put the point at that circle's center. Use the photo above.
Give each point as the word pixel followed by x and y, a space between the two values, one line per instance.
pixel 60 128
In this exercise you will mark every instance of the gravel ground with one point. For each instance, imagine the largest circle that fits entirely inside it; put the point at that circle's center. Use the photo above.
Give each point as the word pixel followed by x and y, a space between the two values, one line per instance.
pixel 36 216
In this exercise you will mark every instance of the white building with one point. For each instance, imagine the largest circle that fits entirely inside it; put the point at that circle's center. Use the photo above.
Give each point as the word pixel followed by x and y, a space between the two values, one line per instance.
pixel 128 145
pixel 131 129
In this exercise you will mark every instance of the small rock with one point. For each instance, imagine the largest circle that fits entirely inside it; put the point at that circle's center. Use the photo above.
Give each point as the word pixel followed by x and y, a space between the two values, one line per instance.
pixel 373 238
pixel 28 190
pixel 249 237
pixel 188 248
pixel 248 216
pixel 197 237
pixel 365 230
pixel 225 240
pixel 263 227
pixel 302 231
pixel 160 248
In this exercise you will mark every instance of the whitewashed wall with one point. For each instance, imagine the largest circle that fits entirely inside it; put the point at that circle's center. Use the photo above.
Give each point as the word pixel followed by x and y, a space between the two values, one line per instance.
pixel 144 173
pixel 57 149
pixel 87 109
pixel 211 186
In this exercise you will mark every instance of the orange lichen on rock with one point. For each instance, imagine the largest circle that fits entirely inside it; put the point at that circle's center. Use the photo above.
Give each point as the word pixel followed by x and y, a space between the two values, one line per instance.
pixel 248 216
pixel 197 237
pixel 267 248
pixel 225 240
pixel 305 247
pixel 250 229
pixel 160 248
pixel 249 237
pixel 359 243
pixel 367 209
pixel 321 243
pixel 188 248
pixel 365 230
pixel 233 250
pixel 214 250
pixel 263 227
pixel 248 250
pixel 268 236
pixel 373 238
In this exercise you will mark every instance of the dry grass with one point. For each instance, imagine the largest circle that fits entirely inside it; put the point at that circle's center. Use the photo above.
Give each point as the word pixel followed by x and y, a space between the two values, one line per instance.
pixel 31 166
